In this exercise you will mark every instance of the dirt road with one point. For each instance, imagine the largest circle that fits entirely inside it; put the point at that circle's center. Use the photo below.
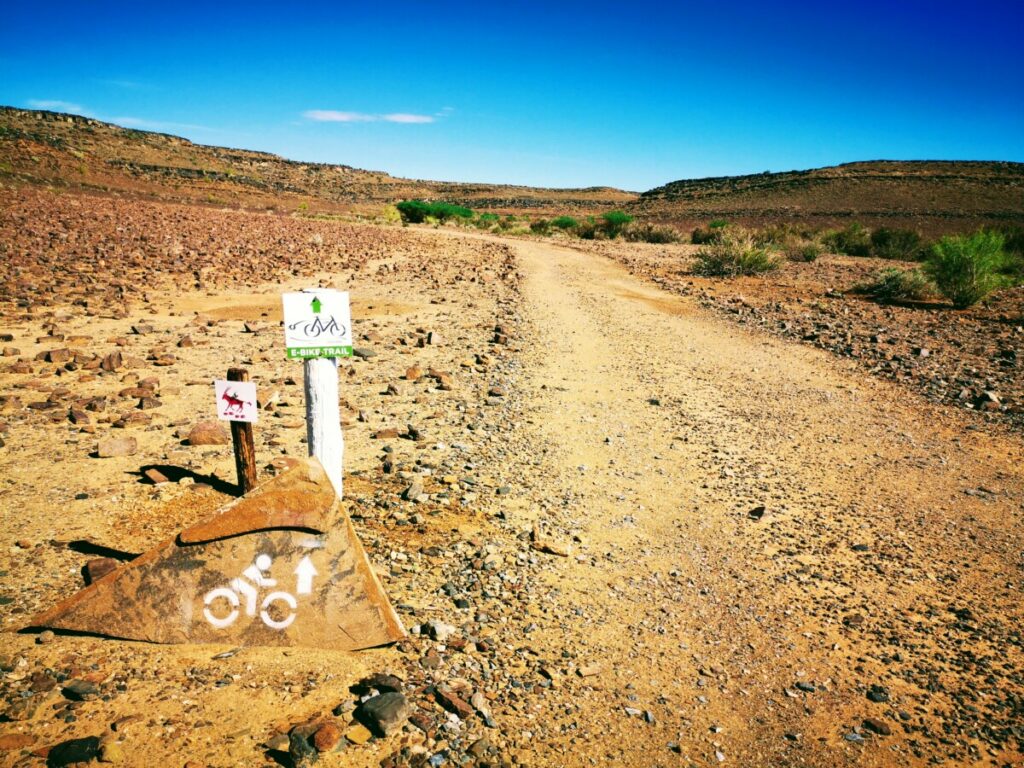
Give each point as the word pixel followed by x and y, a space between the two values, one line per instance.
pixel 642 536
pixel 779 561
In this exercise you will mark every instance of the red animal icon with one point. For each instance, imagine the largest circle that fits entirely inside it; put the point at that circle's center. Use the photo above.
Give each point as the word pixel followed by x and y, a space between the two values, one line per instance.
pixel 236 406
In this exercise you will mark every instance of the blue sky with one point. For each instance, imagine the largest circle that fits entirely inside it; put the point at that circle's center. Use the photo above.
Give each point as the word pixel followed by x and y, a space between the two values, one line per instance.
pixel 631 95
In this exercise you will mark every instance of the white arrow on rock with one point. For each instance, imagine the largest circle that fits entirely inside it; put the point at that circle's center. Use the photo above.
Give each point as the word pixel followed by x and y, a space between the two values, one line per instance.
pixel 304 573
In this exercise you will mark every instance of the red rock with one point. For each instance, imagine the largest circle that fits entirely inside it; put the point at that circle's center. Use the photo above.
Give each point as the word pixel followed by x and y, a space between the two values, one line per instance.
pixel 155 476
pixel 99 567
pixel 12 741
pixel 451 701
pixel 112 362
pixel 327 737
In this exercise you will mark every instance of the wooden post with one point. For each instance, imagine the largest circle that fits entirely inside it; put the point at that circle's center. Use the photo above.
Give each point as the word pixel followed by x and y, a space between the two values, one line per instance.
pixel 241 436
pixel 323 419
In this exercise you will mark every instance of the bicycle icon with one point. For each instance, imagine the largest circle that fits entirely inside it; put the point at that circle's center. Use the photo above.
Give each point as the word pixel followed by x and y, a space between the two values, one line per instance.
pixel 247 586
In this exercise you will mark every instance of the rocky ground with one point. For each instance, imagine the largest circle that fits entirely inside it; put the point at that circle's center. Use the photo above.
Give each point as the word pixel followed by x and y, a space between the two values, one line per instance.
pixel 965 358
pixel 620 530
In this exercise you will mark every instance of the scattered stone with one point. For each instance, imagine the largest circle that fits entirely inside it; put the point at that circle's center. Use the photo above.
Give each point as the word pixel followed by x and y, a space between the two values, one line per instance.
pixel 877 726
pixel 208 433
pixel 878 694
pixel 757 512
pixel 326 737
pixel 155 476
pixel 438 630
pixel 111 752
pixel 73 751
pixel 451 701
pixel 415 489
pixel 385 713
pixel 112 447
pixel 12 741
pixel 46 636
pixel 358 734
pixel 80 690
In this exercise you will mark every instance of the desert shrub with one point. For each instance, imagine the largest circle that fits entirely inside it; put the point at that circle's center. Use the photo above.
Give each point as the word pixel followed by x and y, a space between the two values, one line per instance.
pixel 418 211
pixel 589 229
pixel 903 244
pixel 718 223
pixel 540 226
pixel 613 222
pixel 806 251
pixel 649 233
pixel 564 222
pixel 781 235
pixel 390 214
pixel 892 284
pixel 1013 249
pixel 852 240
pixel 735 253
pixel 967 268
pixel 444 211
pixel 706 235
pixel 486 220
pixel 413 211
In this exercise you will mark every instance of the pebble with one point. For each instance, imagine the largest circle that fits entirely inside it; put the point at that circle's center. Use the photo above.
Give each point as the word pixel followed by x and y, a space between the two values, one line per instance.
pixel 385 713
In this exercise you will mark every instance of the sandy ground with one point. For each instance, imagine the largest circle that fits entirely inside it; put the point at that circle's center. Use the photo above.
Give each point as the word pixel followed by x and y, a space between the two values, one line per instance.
pixel 758 555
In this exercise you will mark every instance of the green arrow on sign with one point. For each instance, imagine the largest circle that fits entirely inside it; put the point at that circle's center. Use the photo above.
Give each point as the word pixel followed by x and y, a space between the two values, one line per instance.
pixel 315 304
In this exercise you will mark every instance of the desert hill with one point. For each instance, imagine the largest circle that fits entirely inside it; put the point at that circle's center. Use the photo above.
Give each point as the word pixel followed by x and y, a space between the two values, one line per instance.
pixel 80 152
pixel 77 152
pixel 927 194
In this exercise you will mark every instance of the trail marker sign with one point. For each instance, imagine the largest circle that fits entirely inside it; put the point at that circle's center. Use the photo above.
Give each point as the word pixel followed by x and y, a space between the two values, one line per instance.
pixel 236 400
pixel 317 324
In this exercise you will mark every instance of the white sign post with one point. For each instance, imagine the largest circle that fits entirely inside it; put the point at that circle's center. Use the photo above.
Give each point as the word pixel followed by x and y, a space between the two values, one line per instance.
pixel 318 329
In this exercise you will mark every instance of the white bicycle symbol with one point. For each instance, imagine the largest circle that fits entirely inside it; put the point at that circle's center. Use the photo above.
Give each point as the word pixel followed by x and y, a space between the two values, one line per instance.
pixel 248 585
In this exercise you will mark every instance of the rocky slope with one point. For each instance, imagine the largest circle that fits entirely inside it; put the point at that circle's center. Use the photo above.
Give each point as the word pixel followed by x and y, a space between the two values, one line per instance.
pixel 82 153
pixel 934 196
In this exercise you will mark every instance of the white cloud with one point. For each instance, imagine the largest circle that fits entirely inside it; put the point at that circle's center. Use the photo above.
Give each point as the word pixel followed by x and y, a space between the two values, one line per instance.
pixel 334 116
pixel 403 117
pixel 57 105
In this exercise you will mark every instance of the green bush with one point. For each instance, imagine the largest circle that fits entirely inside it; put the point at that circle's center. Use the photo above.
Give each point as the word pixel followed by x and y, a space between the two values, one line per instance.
pixel 806 251
pixel 649 233
pixel 967 268
pixel 418 211
pixel 540 226
pixel 852 240
pixel 564 222
pixel 718 223
pixel 487 220
pixel 614 221
pixel 892 284
pixel 735 254
pixel 905 244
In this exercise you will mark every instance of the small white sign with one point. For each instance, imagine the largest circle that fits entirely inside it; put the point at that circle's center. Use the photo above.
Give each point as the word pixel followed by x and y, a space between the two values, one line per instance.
pixel 236 400
pixel 317 324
